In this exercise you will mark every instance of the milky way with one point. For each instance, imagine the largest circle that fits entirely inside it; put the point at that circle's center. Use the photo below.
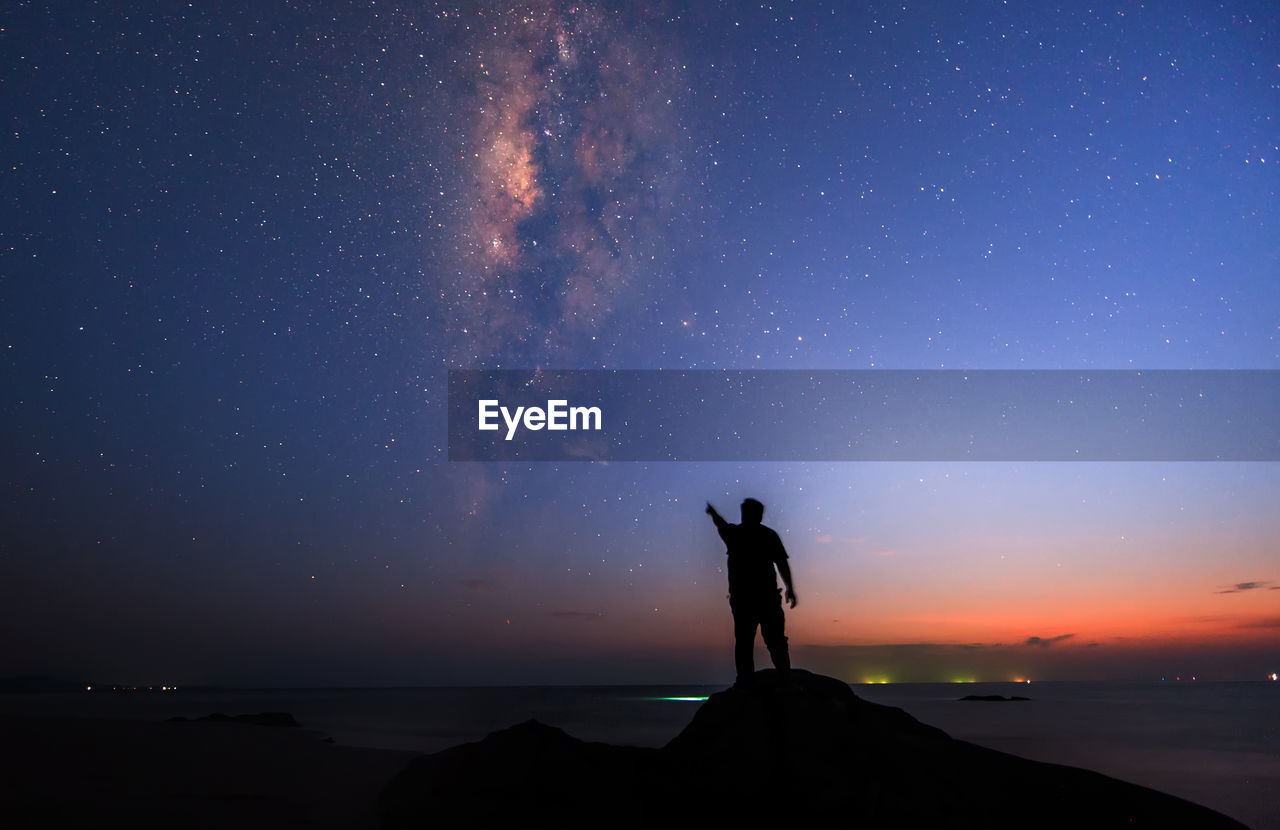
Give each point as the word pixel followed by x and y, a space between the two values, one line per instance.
pixel 572 165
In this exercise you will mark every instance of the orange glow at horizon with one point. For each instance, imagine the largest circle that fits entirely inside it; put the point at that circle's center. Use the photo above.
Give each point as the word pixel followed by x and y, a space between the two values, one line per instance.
pixel 1098 618
pixel 1053 586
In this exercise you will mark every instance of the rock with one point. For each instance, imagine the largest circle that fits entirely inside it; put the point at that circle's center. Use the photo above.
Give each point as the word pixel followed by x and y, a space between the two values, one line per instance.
pixel 790 747
pixel 511 776
pixel 995 698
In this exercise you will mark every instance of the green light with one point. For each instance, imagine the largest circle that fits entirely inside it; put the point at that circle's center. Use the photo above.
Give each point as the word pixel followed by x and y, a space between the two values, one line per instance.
pixel 680 699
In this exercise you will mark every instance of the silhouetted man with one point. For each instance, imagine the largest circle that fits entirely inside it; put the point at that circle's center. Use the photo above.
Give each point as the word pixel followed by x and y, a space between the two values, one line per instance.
pixel 754 597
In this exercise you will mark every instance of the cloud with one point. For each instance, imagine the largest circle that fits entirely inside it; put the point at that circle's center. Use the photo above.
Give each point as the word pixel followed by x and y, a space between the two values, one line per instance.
pixel 475 584
pixel 824 539
pixel 884 552
pixel 1045 642
pixel 577 615
pixel 1240 587
pixel 1264 622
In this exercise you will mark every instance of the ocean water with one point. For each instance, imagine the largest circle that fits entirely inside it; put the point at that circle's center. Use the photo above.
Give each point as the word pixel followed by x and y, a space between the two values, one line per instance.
pixel 1217 744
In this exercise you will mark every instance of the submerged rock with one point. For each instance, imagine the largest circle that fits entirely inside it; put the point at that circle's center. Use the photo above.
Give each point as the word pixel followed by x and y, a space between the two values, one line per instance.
pixel 995 698
pixel 795 746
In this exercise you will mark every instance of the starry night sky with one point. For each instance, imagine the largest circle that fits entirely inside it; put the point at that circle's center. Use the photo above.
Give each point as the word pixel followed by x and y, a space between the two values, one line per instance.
pixel 241 246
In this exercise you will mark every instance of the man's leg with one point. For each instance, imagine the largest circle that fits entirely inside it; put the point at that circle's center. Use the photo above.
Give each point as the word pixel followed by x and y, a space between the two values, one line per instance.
pixel 772 626
pixel 744 643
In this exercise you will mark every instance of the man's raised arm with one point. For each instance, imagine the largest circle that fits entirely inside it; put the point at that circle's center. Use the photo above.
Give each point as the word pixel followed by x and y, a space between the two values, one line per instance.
pixel 721 524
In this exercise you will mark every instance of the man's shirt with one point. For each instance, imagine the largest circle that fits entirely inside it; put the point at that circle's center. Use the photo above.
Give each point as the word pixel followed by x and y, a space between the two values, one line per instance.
pixel 753 551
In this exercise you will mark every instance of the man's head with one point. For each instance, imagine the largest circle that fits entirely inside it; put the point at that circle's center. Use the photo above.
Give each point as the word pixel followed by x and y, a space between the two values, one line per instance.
pixel 752 512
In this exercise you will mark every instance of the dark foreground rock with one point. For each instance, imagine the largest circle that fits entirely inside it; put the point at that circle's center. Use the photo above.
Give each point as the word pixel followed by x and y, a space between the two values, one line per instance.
pixel 79 772
pixel 799 747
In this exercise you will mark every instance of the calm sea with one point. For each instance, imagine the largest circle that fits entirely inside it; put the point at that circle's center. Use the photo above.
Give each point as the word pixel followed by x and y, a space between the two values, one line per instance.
pixel 1214 743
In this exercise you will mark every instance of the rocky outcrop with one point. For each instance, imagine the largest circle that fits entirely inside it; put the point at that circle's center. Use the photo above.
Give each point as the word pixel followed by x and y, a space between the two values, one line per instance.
pixel 797 746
